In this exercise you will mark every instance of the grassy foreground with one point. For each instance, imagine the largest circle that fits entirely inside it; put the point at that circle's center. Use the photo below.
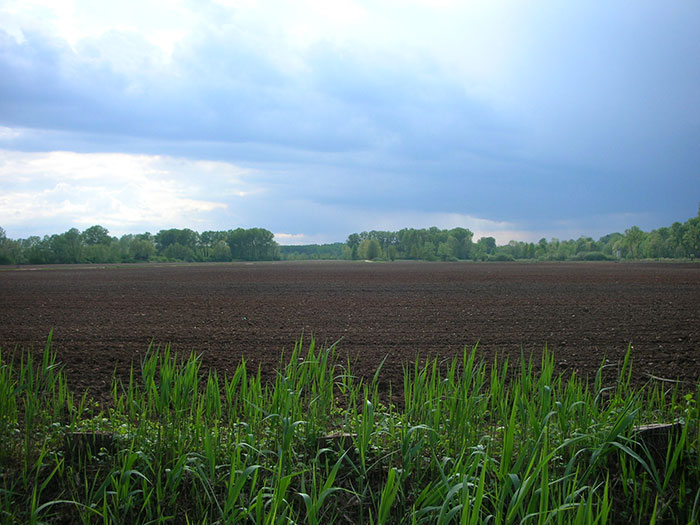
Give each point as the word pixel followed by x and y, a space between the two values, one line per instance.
pixel 469 446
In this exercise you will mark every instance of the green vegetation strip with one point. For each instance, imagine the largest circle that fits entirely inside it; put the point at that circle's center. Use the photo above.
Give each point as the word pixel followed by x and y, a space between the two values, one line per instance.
pixel 472 444
pixel 95 245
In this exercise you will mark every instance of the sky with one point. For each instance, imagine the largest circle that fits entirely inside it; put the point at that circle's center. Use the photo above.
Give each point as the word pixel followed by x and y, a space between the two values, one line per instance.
pixel 315 119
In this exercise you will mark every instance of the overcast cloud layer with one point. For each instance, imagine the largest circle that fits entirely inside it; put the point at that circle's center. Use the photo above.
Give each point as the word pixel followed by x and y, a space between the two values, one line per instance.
pixel 315 119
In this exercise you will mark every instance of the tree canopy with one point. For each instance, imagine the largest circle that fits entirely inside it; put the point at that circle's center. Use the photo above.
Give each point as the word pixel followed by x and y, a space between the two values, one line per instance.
pixel 679 241
pixel 95 245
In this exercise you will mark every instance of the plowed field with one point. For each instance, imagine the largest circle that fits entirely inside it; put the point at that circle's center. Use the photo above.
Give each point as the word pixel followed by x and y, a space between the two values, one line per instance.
pixel 105 317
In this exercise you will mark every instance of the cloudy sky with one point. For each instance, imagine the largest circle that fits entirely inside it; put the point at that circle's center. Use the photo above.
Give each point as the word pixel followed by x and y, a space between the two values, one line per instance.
pixel 319 118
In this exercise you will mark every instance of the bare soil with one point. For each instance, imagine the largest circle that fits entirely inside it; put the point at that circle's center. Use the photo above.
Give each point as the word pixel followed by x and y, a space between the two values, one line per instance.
pixel 103 318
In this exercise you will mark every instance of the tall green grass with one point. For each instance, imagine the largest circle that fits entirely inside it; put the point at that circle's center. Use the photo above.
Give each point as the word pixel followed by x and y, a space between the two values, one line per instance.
pixel 473 442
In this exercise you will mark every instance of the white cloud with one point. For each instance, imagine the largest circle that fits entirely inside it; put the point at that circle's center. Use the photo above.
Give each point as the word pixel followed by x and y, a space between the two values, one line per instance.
pixel 237 4
pixel 124 193
pixel 314 20
pixel 302 238
pixel 436 4
pixel 8 134
pixel 160 23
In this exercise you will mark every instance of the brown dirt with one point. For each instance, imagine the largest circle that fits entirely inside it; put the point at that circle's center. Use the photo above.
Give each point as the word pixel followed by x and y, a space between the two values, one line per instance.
pixel 105 317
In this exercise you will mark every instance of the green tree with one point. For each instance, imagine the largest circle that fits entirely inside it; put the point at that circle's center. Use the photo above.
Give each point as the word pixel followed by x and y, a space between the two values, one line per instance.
pixel 255 244
pixel 35 250
pixel 141 249
pixel 487 244
pixel 610 244
pixel 4 257
pixel 429 251
pixel 208 239
pixel 531 250
pixel 179 252
pixel 262 245
pixel 8 252
pixel 691 238
pixel 101 253
pixel 445 251
pixel 66 248
pixel 124 245
pixel 221 252
pixel 584 245
pixel 633 239
pixel 565 250
pixel 353 243
pixel 238 241
pixel 676 234
pixel 460 240
pixel 96 235
pixel 334 250
pixel 370 249
pixel 184 237
pixel 98 246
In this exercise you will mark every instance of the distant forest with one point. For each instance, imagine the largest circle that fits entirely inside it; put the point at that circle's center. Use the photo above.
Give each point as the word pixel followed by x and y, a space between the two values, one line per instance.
pixel 678 241
pixel 95 245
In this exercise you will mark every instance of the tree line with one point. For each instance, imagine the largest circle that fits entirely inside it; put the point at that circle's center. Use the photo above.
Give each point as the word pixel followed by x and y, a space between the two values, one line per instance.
pixel 95 245
pixel 678 241
pixel 305 252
